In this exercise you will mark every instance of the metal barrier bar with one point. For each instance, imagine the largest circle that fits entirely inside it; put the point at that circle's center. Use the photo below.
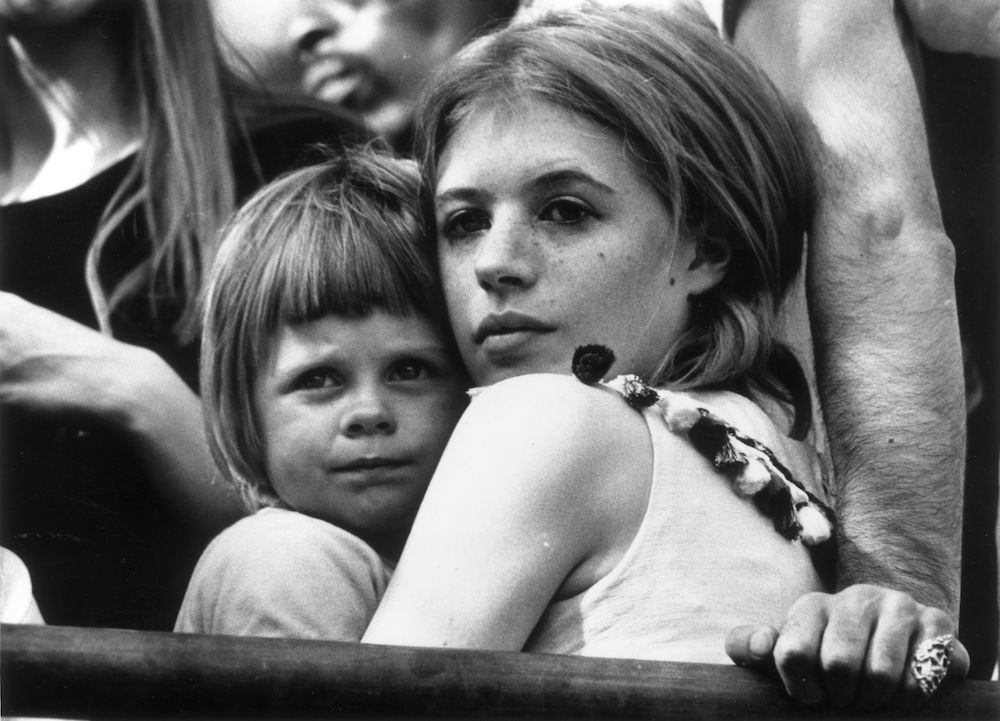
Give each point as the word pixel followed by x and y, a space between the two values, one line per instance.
pixel 88 673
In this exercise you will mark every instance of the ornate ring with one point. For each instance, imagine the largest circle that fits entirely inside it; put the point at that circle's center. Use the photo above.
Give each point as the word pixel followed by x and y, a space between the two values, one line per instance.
pixel 931 661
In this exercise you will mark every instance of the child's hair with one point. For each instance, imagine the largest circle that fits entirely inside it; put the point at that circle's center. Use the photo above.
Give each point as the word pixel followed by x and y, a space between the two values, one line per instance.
pixel 342 237
pixel 710 133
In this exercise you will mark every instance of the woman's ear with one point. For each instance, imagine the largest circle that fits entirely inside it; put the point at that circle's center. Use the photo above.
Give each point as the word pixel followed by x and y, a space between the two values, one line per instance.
pixel 711 260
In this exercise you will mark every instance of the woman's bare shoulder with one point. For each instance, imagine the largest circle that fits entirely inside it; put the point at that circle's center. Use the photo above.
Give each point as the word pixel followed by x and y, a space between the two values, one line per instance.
pixel 558 408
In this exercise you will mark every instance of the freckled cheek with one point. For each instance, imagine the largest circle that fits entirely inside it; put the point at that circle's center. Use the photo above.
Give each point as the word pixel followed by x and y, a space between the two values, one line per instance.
pixel 458 275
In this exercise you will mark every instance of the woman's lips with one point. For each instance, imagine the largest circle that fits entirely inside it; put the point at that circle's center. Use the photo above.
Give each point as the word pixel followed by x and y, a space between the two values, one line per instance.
pixel 509 327
pixel 339 82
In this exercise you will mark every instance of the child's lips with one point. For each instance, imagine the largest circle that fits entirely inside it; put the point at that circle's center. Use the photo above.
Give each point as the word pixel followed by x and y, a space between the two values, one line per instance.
pixel 368 472
pixel 370 464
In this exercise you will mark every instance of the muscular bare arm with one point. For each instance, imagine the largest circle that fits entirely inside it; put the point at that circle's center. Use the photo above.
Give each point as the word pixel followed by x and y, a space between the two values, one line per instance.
pixel 881 290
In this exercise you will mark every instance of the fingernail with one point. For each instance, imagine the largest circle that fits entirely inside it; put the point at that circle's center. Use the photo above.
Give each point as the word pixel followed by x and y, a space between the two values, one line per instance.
pixel 760 644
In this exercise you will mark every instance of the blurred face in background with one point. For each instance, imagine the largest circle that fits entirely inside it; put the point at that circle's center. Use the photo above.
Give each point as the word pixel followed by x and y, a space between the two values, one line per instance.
pixel 368 56
pixel 41 13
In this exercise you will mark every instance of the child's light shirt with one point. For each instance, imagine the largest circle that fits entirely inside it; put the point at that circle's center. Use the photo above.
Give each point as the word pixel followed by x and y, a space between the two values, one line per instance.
pixel 703 562
pixel 280 573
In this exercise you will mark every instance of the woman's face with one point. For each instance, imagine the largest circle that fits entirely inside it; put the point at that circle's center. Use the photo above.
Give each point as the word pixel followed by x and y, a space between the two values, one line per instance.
pixel 368 56
pixel 550 238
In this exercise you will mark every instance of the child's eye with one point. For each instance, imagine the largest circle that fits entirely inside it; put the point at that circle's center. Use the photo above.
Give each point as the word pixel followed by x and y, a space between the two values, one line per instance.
pixel 410 369
pixel 317 378
pixel 463 223
pixel 566 211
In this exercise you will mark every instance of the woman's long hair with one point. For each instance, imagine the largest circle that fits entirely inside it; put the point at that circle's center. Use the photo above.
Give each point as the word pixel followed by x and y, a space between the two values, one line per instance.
pixel 711 135
pixel 192 112
pixel 182 180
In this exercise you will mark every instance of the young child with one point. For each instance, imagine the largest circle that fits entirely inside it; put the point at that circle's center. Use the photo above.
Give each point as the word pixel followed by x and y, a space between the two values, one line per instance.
pixel 330 388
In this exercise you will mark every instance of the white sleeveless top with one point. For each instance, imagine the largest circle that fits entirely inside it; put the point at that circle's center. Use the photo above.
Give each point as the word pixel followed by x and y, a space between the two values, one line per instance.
pixel 703 561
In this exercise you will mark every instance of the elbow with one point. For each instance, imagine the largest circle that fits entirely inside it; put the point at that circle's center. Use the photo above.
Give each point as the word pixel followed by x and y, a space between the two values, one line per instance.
pixel 895 232
pixel 880 261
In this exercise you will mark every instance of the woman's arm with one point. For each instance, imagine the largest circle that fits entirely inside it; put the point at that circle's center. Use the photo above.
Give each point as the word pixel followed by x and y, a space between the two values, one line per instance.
pixel 538 495
pixel 970 26
pixel 51 364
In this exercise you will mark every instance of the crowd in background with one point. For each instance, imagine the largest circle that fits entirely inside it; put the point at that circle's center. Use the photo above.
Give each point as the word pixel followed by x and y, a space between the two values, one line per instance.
pixel 131 132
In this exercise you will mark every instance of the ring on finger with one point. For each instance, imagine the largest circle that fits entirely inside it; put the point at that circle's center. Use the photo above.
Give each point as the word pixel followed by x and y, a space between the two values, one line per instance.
pixel 930 663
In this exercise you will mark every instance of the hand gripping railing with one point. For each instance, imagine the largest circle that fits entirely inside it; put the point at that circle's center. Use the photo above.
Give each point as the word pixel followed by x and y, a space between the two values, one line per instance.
pixel 88 673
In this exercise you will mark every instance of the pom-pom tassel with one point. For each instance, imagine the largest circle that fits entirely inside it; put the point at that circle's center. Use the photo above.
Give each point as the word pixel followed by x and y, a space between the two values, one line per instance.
pixel 816 527
pixel 637 393
pixel 592 362
pixel 777 505
pixel 680 411
pixel 752 478
pixel 750 465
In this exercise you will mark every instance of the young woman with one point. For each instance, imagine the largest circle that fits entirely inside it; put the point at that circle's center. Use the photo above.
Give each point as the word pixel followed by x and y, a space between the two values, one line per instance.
pixel 620 177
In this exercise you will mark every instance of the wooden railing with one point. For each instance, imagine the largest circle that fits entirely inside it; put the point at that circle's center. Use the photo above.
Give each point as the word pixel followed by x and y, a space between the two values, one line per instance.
pixel 88 673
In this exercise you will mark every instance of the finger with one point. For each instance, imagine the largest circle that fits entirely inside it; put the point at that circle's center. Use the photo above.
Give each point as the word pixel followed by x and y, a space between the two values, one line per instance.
pixel 845 646
pixel 796 652
pixel 959 668
pixel 752 646
pixel 887 663
pixel 934 648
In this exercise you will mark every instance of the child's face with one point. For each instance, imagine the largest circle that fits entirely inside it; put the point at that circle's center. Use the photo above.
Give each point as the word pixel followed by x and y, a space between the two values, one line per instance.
pixel 355 414
pixel 550 238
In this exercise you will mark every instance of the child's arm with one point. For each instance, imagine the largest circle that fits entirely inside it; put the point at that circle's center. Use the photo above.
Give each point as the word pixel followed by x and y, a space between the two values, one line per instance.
pixel 538 494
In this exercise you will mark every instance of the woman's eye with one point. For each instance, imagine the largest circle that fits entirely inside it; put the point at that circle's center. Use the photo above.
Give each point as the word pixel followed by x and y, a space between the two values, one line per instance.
pixel 317 379
pixel 410 369
pixel 465 222
pixel 564 210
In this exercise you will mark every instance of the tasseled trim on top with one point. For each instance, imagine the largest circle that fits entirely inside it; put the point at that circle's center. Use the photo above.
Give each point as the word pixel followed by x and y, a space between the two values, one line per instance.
pixel 752 468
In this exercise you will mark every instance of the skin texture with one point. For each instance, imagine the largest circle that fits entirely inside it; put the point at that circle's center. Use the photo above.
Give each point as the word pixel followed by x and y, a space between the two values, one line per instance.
pixel 532 204
pixel 355 413
pixel 368 57
pixel 889 369
pixel 504 545
pixel 972 26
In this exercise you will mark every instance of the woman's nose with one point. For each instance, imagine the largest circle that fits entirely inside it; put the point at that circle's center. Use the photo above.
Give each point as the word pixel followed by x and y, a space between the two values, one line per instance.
pixel 506 257
pixel 320 22
pixel 367 415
